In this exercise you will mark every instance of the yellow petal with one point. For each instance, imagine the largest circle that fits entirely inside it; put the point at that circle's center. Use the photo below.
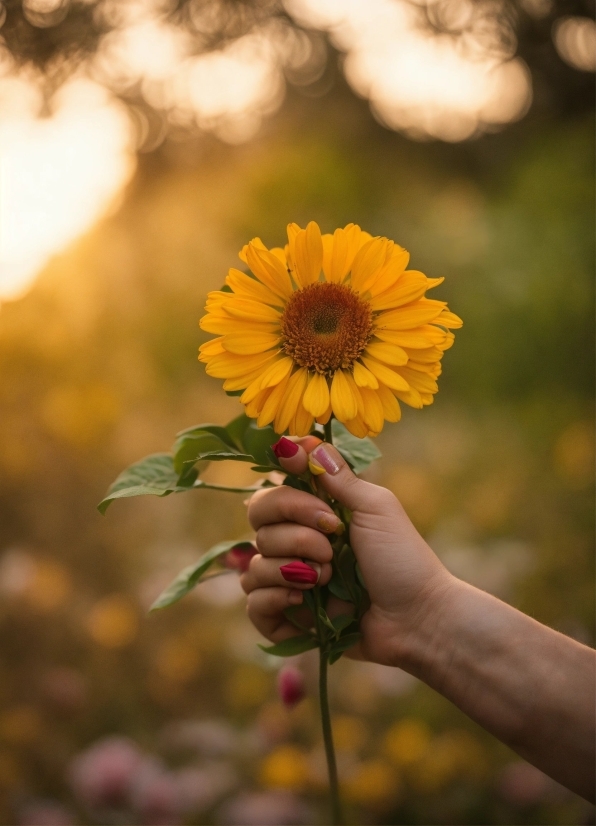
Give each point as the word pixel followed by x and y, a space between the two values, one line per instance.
pixel 368 262
pixel 218 324
pixel 247 287
pixel 357 427
pixel 427 355
pixel 363 377
pixel 272 403
pixel 373 409
pixel 336 260
pixel 269 270
pixel 252 390
pixel 410 397
pixel 291 399
pixel 343 400
pixel 246 344
pixel 316 396
pixel 387 353
pixel 419 338
pixel 301 423
pixel 254 407
pixel 385 374
pixel 211 348
pixel 308 254
pixel 448 319
pixel 279 252
pixel 411 315
pixel 433 370
pixel 277 372
pixel 409 287
pixel 246 308
pixel 241 382
pixel 230 365
pixel 419 381
pixel 391 408
pixel 326 415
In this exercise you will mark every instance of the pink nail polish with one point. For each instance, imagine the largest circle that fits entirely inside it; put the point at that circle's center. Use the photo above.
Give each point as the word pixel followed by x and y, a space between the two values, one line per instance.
pixel 285 448
pixel 325 459
pixel 299 572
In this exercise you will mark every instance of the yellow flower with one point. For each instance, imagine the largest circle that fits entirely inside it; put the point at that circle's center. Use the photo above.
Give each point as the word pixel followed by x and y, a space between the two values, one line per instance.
pixel 332 324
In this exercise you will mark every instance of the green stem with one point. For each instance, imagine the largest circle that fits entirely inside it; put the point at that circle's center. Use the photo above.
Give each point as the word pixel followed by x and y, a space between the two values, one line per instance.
pixel 328 433
pixel 336 814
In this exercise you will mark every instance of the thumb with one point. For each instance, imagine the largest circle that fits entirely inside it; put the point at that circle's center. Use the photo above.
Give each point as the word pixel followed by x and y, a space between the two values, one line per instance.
pixel 336 477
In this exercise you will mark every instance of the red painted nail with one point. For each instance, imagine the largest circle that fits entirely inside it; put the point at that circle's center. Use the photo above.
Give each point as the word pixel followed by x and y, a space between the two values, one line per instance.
pixel 299 572
pixel 285 448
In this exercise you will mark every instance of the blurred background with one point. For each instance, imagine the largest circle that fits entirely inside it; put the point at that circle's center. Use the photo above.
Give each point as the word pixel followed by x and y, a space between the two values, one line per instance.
pixel 142 143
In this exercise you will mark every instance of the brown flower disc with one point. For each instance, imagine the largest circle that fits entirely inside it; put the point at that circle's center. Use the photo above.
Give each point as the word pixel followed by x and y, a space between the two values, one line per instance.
pixel 326 327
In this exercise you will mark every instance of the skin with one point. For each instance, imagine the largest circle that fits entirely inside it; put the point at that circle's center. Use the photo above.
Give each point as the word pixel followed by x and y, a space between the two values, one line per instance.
pixel 528 685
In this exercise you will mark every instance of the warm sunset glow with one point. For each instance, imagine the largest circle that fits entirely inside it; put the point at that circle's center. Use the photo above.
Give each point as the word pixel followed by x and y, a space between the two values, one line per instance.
pixel 417 83
pixel 58 175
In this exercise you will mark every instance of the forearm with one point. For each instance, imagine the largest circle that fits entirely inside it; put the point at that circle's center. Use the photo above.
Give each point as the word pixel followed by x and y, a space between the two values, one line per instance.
pixel 530 686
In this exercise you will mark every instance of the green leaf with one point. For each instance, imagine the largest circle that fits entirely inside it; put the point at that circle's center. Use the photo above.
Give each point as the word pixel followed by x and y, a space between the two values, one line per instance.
pixel 345 562
pixel 154 475
pixel 237 426
pixel 338 648
pixel 227 489
pixel 257 441
pixel 222 455
pixel 191 576
pixel 359 453
pixel 290 613
pixel 325 619
pixel 291 646
pixel 341 622
pixel 337 587
pixel 195 442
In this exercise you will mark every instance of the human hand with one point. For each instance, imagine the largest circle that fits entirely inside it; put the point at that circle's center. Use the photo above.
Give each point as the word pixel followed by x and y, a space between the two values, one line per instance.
pixel 404 578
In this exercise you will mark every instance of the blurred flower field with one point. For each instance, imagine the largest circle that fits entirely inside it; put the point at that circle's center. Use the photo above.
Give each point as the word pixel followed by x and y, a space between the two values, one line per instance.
pixel 111 716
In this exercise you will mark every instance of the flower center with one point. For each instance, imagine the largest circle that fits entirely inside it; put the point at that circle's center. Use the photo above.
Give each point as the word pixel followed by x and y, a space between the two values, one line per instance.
pixel 326 326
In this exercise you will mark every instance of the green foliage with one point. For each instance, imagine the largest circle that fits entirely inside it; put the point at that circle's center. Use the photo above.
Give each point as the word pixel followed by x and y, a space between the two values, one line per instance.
pixel 291 646
pixel 358 453
pixel 191 576
pixel 154 475
pixel 163 473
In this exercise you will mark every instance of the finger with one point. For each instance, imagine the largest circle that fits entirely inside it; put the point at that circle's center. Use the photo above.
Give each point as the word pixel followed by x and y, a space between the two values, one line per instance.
pixel 290 539
pixel 285 504
pixel 266 573
pixel 292 453
pixel 335 476
pixel 265 607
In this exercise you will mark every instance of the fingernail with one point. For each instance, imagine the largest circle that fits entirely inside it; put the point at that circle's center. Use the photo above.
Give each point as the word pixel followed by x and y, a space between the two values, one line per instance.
pixel 325 459
pixel 285 448
pixel 330 523
pixel 295 597
pixel 316 470
pixel 301 572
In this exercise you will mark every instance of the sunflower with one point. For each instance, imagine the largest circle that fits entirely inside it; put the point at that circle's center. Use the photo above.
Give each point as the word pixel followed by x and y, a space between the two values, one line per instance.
pixel 329 325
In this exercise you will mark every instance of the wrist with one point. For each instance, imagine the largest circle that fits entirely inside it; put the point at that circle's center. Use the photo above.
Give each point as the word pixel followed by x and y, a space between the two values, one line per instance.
pixel 422 642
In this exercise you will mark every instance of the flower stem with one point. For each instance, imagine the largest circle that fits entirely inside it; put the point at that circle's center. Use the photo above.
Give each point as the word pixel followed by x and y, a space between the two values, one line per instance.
pixel 328 740
pixel 336 812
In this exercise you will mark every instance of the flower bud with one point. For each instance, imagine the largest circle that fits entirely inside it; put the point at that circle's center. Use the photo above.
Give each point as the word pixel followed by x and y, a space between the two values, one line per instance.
pixel 290 686
pixel 238 558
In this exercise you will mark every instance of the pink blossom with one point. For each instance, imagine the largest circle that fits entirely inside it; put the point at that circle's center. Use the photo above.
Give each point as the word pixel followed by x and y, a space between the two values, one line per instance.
pixel 290 685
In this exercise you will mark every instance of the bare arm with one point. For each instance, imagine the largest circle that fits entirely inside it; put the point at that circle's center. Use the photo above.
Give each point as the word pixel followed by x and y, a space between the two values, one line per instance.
pixel 528 685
